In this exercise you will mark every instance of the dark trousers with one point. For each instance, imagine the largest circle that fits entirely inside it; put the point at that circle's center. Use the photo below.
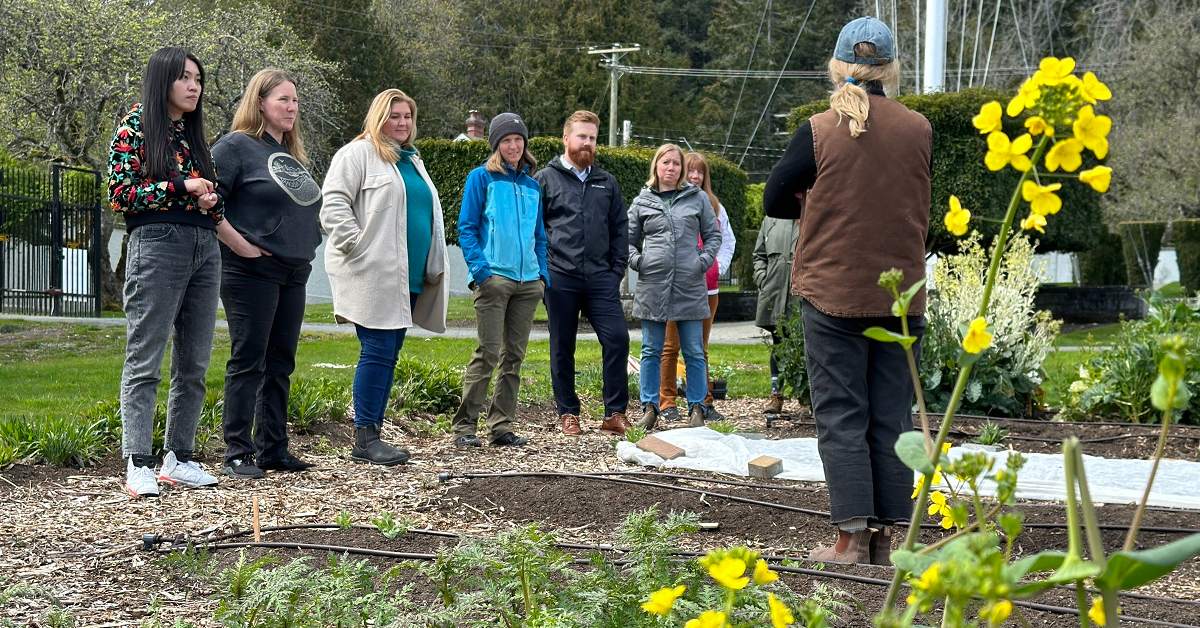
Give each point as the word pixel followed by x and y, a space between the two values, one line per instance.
pixel 599 299
pixel 264 304
pixel 862 400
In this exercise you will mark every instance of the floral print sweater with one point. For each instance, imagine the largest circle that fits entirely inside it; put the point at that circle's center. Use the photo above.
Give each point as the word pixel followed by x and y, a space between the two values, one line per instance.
pixel 144 201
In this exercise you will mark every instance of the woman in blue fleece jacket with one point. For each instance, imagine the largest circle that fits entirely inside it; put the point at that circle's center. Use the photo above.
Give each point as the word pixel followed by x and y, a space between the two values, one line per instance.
pixel 503 240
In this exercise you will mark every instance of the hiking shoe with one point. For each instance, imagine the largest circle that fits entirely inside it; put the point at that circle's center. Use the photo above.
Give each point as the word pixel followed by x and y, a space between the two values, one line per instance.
pixel 368 447
pixel 649 416
pixel 670 414
pixel 508 439
pixel 570 424
pixel 467 440
pixel 696 415
pixel 711 414
pixel 286 462
pixel 615 424
pixel 243 468
pixel 181 470
pixel 774 405
pixel 139 477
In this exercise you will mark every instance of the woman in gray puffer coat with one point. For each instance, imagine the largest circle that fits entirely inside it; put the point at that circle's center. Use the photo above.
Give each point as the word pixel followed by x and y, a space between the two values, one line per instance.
pixel 666 220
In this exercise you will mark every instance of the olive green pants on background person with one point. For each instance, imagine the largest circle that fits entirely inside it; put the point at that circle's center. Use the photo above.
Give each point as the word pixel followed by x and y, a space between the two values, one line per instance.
pixel 504 311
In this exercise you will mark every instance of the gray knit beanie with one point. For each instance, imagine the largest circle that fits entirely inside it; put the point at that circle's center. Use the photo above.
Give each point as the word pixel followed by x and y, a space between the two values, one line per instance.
pixel 506 124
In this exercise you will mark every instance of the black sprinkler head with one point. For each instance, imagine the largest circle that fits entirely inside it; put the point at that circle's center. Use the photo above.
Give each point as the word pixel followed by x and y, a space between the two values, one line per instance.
pixel 444 477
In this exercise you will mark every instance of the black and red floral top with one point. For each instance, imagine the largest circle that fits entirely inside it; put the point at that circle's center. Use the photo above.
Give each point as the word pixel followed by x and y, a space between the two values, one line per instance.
pixel 143 201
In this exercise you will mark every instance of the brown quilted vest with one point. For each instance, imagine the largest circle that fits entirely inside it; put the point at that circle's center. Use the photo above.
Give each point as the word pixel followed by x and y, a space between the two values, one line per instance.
pixel 867 211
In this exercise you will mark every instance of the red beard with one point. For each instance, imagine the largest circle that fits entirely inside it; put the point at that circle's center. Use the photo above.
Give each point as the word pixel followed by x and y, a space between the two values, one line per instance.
pixel 582 158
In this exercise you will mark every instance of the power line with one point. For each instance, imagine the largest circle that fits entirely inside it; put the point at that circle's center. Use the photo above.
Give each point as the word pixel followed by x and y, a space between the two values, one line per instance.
pixel 749 64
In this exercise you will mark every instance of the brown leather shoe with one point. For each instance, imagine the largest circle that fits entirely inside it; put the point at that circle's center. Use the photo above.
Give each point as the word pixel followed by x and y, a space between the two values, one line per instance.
pixel 615 424
pixel 851 547
pixel 774 404
pixel 570 425
pixel 881 547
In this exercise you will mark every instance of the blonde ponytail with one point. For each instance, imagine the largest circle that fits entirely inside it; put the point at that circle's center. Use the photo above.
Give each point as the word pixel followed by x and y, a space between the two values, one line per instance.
pixel 849 99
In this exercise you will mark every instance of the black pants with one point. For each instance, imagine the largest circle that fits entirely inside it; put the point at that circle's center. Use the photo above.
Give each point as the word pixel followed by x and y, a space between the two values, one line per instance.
pixel 264 304
pixel 862 400
pixel 598 298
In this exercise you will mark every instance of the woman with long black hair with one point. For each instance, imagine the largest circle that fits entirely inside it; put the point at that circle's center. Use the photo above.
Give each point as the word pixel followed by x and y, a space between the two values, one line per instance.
pixel 161 180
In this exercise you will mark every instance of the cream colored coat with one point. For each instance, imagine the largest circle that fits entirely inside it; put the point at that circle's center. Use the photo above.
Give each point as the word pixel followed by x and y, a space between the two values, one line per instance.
pixel 366 256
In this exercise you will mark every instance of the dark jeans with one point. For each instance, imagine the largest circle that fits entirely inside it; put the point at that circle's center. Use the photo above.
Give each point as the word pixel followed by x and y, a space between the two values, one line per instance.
pixel 264 304
pixel 599 299
pixel 862 400
pixel 172 276
pixel 378 351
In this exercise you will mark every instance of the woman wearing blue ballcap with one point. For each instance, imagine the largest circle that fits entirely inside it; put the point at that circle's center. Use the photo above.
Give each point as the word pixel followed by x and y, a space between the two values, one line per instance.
pixel 863 167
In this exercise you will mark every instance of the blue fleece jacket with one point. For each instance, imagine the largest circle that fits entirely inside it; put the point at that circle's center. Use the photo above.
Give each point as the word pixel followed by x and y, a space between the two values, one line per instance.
pixel 500 228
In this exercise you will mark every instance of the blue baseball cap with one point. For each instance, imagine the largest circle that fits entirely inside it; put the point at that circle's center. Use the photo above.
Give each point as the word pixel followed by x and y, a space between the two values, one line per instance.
pixel 870 30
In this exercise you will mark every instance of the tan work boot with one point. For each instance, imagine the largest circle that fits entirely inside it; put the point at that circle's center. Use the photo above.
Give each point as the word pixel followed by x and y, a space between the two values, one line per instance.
pixel 774 404
pixel 696 415
pixel 570 424
pixel 851 547
pixel 649 416
pixel 881 546
pixel 615 424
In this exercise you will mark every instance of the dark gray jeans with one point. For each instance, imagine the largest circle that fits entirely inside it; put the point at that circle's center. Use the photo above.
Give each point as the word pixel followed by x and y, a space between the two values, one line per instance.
pixel 862 401
pixel 172 278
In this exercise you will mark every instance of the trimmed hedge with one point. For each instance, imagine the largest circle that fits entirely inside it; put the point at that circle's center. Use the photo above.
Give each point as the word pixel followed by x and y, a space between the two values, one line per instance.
pixel 1140 244
pixel 449 163
pixel 958 150
pixel 1187 253
pixel 1104 263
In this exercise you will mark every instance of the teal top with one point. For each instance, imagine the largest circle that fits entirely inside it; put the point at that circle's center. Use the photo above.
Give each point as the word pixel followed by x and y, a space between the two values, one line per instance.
pixel 419 200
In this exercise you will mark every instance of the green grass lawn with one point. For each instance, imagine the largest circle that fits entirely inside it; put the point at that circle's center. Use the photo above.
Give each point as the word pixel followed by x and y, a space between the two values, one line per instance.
pixel 1094 335
pixel 55 369
pixel 460 309
pixel 1062 368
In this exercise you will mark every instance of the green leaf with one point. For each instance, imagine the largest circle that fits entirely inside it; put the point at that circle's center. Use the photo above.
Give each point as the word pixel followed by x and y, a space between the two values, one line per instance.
pixel 911 449
pixel 1160 394
pixel 912 562
pixel 1128 570
pixel 906 297
pixel 882 335
pixel 1049 560
pixel 1074 569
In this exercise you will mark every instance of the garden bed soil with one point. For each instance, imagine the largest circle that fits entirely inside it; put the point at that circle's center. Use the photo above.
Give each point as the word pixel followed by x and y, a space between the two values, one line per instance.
pixel 73 534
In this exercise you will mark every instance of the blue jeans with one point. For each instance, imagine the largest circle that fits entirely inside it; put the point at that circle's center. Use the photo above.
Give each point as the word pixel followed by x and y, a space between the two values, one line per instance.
pixel 375 372
pixel 691 344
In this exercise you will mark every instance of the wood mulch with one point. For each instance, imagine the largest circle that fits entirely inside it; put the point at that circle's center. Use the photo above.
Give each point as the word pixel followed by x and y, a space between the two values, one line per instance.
pixel 72 535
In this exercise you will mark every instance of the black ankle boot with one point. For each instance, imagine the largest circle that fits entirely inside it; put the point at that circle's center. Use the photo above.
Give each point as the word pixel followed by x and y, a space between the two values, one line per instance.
pixel 369 448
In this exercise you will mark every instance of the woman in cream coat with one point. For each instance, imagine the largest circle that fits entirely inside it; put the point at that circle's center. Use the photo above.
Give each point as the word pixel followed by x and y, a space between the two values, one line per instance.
pixel 386 256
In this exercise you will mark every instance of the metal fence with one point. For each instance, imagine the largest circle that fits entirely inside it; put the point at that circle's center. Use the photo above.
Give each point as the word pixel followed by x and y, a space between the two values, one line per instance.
pixel 50 241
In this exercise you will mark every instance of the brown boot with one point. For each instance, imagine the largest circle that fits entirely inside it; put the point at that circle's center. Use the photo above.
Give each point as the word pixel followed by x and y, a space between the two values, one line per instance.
pixel 649 416
pixel 881 546
pixel 851 547
pixel 774 404
pixel 615 424
pixel 696 415
pixel 570 425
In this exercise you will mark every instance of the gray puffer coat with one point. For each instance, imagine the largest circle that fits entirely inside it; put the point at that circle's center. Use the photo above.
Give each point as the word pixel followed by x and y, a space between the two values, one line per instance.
pixel 663 248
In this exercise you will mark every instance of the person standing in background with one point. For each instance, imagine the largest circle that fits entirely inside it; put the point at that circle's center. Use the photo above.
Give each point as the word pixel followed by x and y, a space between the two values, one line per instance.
pixel 773 251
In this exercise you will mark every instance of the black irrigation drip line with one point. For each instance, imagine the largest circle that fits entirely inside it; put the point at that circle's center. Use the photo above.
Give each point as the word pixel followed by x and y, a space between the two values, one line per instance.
pixel 699 478
pixel 365 551
pixel 446 476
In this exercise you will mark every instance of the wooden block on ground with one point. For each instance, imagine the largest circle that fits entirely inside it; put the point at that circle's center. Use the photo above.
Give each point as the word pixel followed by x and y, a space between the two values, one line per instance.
pixel 659 447
pixel 765 467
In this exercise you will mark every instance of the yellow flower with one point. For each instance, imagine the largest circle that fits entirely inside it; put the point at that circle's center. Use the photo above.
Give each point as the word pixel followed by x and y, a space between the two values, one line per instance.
pixel 1042 198
pixel 781 615
pixel 1099 178
pixel 1002 152
pixel 708 619
pixel 1026 97
pixel 763 573
pixel 929 578
pixel 1052 70
pixel 1034 221
pixel 1092 89
pixel 662 600
pixel 1092 130
pixel 728 572
pixel 996 612
pixel 1096 613
pixel 917 486
pixel 977 338
pixel 988 118
pixel 957 218
pixel 937 502
pixel 1037 125
pixel 1065 154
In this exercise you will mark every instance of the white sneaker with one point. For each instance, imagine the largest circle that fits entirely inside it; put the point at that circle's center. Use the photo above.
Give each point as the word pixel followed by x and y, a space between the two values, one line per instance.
pixel 189 474
pixel 140 481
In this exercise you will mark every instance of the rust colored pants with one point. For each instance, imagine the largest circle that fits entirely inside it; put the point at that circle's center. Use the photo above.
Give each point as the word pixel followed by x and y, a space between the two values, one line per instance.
pixel 668 374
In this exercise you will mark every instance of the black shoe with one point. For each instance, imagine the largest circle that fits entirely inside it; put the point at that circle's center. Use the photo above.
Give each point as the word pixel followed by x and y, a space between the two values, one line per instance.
pixel 286 462
pixel 670 415
pixel 711 414
pixel 369 448
pixel 242 467
pixel 467 440
pixel 508 439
